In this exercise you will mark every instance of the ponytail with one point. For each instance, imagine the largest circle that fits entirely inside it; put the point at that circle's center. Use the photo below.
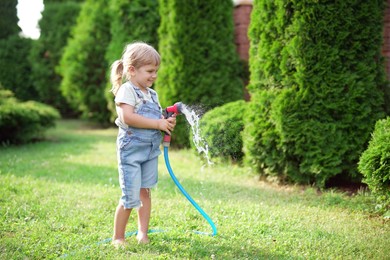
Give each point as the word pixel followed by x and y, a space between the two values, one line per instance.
pixel 116 76
pixel 135 54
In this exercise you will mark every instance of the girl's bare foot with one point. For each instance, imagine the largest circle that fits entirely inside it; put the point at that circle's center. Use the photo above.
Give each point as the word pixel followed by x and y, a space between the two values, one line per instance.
pixel 119 243
pixel 143 239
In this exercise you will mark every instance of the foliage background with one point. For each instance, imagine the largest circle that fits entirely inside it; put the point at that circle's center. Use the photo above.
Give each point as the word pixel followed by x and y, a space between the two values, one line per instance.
pixel 57 20
pixel 15 70
pixel 131 21
pixel 317 80
pixel 199 62
pixel 321 64
pixel 8 18
pixel 83 65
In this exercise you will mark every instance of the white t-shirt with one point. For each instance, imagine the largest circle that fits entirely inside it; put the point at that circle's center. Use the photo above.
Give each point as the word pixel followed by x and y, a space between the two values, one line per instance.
pixel 127 95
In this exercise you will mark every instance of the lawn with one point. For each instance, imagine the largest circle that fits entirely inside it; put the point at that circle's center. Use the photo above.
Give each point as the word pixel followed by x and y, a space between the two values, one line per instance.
pixel 58 198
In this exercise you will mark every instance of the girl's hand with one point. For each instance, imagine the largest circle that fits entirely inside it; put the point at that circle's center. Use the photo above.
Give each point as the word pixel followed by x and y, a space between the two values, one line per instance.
pixel 167 125
pixel 172 120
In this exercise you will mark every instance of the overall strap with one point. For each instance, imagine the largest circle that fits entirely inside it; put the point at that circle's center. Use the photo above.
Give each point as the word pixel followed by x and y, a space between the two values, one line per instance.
pixel 153 94
pixel 154 97
pixel 139 94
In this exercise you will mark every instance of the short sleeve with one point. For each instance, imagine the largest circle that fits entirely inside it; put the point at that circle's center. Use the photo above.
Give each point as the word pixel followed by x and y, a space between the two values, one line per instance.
pixel 126 95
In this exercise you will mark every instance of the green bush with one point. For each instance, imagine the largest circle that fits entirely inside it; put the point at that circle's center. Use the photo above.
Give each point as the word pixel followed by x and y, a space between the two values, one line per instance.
pixel 8 18
pixel 55 25
pixel 199 64
pixel 131 21
pixel 221 127
pixel 260 136
pixel 374 164
pixel 21 122
pixel 15 69
pixel 83 65
pixel 321 63
pixel 6 95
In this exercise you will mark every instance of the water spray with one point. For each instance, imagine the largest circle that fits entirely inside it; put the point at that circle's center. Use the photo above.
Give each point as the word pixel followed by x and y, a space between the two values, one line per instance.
pixel 178 109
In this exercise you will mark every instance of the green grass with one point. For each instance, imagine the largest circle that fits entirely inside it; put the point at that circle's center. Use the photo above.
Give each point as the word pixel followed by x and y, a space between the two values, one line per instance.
pixel 58 199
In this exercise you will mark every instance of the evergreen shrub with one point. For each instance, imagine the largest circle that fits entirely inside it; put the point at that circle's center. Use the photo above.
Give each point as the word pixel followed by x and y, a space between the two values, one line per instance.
pixel 260 136
pixel 57 20
pixel 8 18
pixel 374 164
pixel 21 122
pixel 131 21
pixel 199 65
pixel 15 69
pixel 321 64
pixel 221 127
pixel 83 66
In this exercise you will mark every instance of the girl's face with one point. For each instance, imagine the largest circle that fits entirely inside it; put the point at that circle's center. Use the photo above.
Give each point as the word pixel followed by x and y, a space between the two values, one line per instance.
pixel 144 76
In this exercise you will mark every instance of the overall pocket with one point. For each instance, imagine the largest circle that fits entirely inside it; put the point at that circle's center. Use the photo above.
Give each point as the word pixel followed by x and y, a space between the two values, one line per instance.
pixel 126 140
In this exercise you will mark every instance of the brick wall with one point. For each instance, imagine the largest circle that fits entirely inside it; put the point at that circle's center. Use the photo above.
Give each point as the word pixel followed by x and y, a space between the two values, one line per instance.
pixel 242 15
pixel 242 12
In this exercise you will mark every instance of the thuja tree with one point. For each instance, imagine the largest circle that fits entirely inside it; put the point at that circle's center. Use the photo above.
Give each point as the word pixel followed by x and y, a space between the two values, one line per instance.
pixel 8 18
pixel 199 62
pixel 131 21
pixel 317 81
pixel 15 69
pixel 83 64
pixel 260 136
pixel 57 20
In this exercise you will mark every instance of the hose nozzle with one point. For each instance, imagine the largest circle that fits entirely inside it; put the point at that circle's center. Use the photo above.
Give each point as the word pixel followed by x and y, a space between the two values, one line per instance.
pixel 175 109
pixel 168 112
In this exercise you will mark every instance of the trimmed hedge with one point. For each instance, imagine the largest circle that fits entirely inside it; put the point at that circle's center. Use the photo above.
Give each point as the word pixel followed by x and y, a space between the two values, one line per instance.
pixel 83 65
pixel 8 18
pixel 221 127
pixel 199 64
pixel 57 20
pixel 374 164
pixel 321 63
pixel 15 69
pixel 21 122
pixel 131 21
pixel 260 136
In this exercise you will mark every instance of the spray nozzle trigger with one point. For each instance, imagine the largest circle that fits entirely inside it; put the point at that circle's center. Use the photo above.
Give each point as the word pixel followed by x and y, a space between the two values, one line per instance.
pixel 174 109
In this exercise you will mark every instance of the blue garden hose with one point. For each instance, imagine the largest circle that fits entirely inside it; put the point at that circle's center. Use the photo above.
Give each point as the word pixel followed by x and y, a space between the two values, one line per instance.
pixel 175 180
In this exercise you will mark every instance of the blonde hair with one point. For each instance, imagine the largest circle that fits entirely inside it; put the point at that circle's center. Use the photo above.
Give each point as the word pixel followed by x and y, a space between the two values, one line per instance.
pixel 136 54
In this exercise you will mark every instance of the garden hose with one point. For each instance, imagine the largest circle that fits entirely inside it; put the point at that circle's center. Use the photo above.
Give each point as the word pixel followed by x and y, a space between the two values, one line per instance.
pixel 185 193
pixel 173 110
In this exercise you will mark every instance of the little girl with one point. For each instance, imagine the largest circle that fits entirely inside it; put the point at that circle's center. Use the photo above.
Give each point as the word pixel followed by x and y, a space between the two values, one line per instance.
pixel 139 121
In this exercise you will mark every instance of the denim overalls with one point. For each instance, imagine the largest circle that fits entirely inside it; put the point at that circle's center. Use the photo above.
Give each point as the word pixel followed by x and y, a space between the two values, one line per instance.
pixel 138 150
